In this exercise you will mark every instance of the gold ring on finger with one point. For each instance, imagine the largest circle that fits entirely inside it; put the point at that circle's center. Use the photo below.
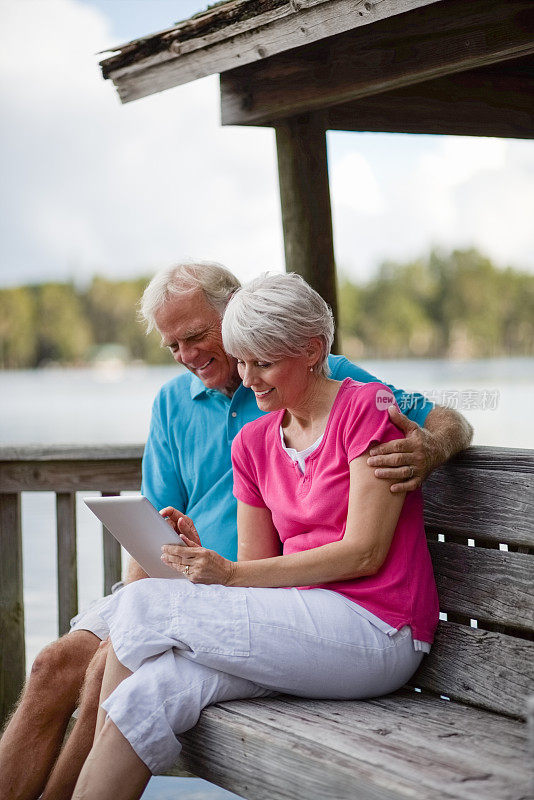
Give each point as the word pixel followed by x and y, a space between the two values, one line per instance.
pixel 411 472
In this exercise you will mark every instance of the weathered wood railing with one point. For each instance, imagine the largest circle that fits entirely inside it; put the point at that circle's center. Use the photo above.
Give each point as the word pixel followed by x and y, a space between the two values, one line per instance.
pixel 65 471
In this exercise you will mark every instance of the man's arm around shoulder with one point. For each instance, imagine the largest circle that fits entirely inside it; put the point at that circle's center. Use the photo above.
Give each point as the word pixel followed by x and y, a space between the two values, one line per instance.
pixel 412 459
pixel 408 461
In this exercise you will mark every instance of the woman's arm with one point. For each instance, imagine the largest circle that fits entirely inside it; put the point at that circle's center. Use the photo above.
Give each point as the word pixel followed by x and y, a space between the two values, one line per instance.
pixel 373 512
pixel 372 517
pixel 257 537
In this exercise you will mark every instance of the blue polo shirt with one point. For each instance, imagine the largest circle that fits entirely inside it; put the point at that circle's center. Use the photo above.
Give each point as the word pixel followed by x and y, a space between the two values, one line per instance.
pixel 187 464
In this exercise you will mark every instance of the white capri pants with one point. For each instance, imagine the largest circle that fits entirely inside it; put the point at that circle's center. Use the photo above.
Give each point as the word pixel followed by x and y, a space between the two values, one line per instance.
pixel 190 645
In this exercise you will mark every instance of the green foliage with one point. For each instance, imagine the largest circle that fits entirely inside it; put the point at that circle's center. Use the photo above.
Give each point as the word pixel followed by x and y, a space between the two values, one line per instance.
pixel 112 308
pixel 456 304
pixel 18 345
pixel 56 323
pixel 447 305
pixel 63 334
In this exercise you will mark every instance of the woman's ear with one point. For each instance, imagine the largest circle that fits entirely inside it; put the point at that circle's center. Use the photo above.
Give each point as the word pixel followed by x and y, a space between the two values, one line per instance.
pixel 314 351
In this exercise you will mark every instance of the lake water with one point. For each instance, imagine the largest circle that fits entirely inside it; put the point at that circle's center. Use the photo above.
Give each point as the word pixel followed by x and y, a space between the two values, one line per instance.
pixel 86 406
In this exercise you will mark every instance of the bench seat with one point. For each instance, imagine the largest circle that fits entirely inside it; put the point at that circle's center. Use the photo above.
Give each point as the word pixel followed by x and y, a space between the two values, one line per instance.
pixel 406 745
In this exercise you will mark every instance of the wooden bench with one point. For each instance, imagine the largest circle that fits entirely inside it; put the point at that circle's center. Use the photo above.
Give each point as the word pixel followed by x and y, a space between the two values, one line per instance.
pixel 459 731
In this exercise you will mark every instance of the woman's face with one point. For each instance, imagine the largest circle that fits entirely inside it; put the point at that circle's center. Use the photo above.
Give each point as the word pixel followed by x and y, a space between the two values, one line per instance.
pixel 277 384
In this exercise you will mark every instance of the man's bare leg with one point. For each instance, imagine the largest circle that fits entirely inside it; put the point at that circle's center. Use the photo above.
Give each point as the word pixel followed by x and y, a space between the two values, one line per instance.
pixel 33 736
pixel 64 775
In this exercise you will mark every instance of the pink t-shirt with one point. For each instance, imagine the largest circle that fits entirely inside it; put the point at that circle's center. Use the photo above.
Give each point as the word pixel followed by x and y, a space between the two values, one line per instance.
pixel 310 509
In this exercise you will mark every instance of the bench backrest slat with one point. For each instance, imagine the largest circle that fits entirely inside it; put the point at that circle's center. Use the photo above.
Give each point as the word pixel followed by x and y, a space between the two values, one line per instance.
pixel 483 668
pixel 481 504
pixel 486 585
pixel 479 508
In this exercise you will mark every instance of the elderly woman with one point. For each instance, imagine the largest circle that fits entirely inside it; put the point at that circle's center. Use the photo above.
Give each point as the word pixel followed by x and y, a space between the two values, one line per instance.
pixel 332 595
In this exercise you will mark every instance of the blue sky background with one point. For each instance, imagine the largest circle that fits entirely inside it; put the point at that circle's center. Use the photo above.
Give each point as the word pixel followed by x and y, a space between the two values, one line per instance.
pixel 131 19
pixel 91 186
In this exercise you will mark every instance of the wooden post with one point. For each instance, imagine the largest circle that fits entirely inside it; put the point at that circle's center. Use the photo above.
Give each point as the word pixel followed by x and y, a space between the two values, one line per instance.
pixel 112 555
pixel 12 652
pixel 67 573
pixel 305 200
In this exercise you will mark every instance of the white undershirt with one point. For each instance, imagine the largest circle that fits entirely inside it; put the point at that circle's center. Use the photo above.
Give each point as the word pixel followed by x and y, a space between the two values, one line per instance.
pixel 299 457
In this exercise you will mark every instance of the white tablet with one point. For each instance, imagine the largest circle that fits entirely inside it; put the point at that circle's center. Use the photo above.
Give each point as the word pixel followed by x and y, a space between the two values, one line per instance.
pixel 136 524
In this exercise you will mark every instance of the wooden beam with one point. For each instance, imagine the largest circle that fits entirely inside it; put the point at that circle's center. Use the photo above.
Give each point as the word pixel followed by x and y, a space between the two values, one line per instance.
pixel 73 452
pixel 71 476
pixel 12 652
pixel 67 568
pixel 112 555
pixel 428 43
pixel 491 101
pixel 530 722
pixel 236 33
pixel 305 200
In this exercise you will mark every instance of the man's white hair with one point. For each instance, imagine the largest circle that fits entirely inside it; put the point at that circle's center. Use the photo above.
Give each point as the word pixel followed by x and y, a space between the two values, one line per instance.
pixel 275 316
pixel 217 283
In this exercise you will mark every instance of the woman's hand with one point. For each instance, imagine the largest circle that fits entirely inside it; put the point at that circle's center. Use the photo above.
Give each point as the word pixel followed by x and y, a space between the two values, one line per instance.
pixel 194 561
pixel 181 524
pixel 197 563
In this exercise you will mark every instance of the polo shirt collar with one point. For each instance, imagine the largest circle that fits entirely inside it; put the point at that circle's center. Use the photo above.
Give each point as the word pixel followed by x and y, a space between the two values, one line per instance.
pixel 196 387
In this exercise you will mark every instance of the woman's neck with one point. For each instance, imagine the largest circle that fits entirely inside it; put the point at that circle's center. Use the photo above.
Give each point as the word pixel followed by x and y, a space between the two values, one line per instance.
pixel 305 422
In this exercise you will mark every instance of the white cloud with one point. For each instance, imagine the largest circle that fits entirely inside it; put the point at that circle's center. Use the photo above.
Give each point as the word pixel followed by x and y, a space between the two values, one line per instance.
pixel 458 159
pixel 353 184
pixel 91 185
pixel 456 192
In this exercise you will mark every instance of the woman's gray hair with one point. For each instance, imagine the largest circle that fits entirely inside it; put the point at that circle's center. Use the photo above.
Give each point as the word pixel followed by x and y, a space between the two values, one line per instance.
pixel 275 316
pixel 217 283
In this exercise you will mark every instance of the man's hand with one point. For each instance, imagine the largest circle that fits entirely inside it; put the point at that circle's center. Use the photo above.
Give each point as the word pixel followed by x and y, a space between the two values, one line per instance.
pixel 407 461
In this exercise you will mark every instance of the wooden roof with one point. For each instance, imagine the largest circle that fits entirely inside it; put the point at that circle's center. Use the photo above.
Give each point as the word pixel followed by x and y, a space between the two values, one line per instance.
pixel 233 34
pixel 426 66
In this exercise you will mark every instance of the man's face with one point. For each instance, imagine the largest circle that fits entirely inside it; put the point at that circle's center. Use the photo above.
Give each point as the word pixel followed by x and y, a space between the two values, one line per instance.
pixel 191 328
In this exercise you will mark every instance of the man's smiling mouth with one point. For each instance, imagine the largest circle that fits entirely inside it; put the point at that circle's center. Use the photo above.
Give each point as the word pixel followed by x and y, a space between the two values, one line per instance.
pixel 199 369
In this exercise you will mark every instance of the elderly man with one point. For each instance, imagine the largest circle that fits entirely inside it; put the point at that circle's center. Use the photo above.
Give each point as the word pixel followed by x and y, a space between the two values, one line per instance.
pixel 186 465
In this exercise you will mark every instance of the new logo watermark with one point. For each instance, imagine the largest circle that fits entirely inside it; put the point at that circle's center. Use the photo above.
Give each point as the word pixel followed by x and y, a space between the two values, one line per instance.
pixel 384 398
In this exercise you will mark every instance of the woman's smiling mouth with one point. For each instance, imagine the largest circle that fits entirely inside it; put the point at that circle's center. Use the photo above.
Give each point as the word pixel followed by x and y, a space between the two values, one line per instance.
pixel 262 394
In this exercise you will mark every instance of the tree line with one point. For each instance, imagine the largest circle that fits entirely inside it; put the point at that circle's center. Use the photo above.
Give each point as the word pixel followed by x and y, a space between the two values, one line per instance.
pixel 457 304
pixel 453 305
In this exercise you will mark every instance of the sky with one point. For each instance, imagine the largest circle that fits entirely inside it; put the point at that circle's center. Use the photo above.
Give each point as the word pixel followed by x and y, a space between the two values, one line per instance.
pixel 90 186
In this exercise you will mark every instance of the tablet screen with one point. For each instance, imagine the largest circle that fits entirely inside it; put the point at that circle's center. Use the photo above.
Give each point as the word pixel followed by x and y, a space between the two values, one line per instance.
pixel 140 529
